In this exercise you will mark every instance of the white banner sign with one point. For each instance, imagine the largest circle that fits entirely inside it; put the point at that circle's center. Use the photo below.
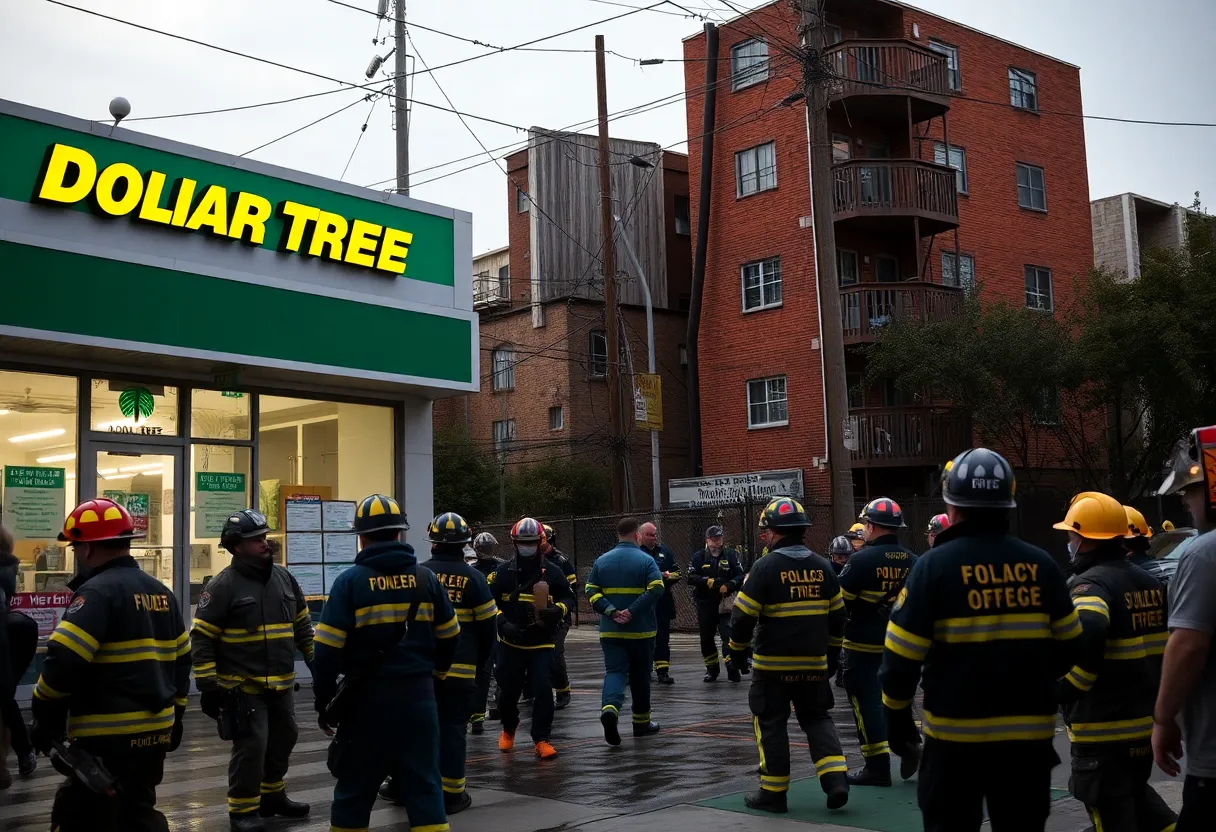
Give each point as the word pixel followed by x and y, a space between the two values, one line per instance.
pixel 734 488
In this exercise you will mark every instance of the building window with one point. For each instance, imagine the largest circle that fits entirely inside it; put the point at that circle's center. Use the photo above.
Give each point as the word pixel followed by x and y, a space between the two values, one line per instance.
pixel 1038 288
pixel 132 407
pixel 1023 89
pixel 766 403
pixel 761 284
pixel 833 35
pixel 683 218
pixel 557 417
pixel 846 266
pixel 683 353
pixel 962 277
pixel 219 414
pixel 956 160
pixel 856 390
pixel 504 281
pixel 748 63
pixel 886 269
pixel 504 435
pixel 755 169
pixel 521 201
pixel 1046 408
pixel 597 354
pixel 951 53
pixel 502 361
pixel 842 148
pixel 1032 189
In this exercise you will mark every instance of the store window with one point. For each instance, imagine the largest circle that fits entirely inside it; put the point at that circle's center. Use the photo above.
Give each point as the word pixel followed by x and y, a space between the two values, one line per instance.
pixel 219 414
pixel 220 484
pixel 38 457
pixel 133 407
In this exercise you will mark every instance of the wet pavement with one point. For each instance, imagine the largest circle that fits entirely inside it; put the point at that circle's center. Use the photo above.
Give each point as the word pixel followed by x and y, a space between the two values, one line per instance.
pixel 706 749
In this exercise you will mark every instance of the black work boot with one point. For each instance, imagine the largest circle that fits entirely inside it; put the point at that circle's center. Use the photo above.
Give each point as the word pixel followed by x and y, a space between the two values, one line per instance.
pixel 645 729
pixel 612 736
pixel 909 761
pixel 663 677
pixel 732 673
pixel 562 700
pixel 711 673
pixel 492 714
pixel 278 803
pixel 246 822
pixel 767 801
pixel 836 786
pixel 477 727
pixel 388 792
pixel 876 772
pixel 453 803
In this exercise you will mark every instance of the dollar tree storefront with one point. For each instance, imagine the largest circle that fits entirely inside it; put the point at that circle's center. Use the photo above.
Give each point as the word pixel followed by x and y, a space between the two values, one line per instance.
pixel 191 332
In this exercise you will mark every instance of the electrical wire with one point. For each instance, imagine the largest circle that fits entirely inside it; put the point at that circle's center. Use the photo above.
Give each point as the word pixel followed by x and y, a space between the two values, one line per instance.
pixel 358 139
pixel 306 126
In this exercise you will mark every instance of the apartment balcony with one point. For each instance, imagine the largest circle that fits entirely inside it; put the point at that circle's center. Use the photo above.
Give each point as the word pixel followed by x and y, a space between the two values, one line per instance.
pixel 865 308
pixel 870 193
pixel 886 437
pixel 882 80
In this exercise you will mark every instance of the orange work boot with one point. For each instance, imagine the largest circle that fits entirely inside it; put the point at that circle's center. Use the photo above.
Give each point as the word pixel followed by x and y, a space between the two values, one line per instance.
pixel 506 741
pixel 545 751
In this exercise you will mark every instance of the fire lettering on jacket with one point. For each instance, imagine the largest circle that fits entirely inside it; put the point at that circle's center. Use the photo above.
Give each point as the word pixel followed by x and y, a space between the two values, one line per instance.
pixel 382 582
pixel 1004 585
pixel 803 584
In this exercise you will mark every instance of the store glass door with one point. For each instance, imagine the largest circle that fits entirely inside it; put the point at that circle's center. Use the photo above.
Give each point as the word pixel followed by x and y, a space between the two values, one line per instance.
pixel 145 480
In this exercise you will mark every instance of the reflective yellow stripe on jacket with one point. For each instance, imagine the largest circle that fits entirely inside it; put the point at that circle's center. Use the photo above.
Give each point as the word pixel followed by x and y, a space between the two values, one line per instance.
pixel 990 729
pixel 132 722
pixel 1120 730
pixel 143 649
pixel 789 663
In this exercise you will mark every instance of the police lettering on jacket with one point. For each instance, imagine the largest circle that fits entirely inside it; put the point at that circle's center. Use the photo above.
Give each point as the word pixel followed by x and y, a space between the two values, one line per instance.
pixel 870 582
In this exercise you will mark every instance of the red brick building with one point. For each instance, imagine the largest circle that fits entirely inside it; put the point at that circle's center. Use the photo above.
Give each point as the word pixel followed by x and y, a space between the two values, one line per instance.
pixel 543 344
pixel 1016 208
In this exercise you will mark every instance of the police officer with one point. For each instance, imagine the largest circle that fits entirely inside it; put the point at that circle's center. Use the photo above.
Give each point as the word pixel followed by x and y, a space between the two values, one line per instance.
pixel 1137 540
pixel 486 563
pixel 624 586
pixel 115 678
pixel 1110 692
pixel 532 596
pixel 560 675
pixel 938 523
pixel 250 620
pixel 390 627
pixel 475 610
pixel 714 573
pixel 665 610
pixel 990 618
pixel 870 583
pixel 793 596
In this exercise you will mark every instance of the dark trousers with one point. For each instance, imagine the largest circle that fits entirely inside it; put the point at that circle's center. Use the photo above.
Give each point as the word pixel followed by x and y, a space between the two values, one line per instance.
pixel 1113 785
pixel 662 639
pixel 22 645
pixel 1013 778
pixel 481 687
pixel 454 698
pixel 512 664
pixel 770 698
pixel 394 731
pixel 79 809
pixel 712 624
pixel 559 676
pixel 865 699
pixel 261 755
pixel 1198 804
pixel 627 662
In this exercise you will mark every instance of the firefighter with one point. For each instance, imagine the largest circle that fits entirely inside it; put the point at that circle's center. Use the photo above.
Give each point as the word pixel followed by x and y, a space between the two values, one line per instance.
pixel 792 600
pixel 484 547
pixel 475 610
pixel 938 523
pixel 390 628
pixel 250 620
pixel 1137 540
pixel 665 611
pixel 839 551
pixel 528 618
pixel 560 675
pixel 990 619
pixel 1108 695
pixel 855 535
pixel 714 573
pixel 870 583
pixel 121 703
pixel 624 586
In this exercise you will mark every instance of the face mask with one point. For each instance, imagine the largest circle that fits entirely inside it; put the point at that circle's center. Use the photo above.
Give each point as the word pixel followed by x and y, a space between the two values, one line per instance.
pixel 526 551
pixel 1074 547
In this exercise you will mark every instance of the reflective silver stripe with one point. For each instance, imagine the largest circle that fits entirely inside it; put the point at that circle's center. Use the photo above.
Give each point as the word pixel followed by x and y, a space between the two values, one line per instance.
pixel 169 651
pixel 969 629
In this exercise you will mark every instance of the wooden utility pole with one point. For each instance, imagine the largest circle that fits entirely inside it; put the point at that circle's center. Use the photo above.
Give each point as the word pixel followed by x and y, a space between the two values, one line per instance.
pixel 816 78
pixel 608 261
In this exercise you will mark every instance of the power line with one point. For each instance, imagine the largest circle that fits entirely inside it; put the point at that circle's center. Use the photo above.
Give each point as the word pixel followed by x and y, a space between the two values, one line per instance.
pixel 358 139
pixel 306 126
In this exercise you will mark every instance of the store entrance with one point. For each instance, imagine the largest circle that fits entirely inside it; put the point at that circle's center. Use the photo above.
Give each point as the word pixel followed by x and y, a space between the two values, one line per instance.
pixel 146 479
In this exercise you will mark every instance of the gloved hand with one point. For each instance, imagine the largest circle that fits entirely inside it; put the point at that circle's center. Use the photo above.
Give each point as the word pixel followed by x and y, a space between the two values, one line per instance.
pixel 833 661
pixel 509 631
pixel 901 728
pixel 43 733
pixel 211 701
pixel 738 658
pixel 179 725
pixel 324 726
pixel 550 616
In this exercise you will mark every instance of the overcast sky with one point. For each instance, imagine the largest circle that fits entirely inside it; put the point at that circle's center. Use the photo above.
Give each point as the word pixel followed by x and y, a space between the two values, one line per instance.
pixel 1148 61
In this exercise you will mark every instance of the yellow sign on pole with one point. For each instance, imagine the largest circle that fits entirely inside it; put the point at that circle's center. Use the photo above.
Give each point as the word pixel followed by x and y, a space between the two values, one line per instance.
pixel 648 401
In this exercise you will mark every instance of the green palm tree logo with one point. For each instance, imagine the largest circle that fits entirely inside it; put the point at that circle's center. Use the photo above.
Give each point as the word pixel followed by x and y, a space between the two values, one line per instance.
pixel 136 403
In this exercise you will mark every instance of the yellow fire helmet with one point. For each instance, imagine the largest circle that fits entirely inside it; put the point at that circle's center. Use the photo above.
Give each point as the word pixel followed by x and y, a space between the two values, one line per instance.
pixel 1095 516
pixel 1137 526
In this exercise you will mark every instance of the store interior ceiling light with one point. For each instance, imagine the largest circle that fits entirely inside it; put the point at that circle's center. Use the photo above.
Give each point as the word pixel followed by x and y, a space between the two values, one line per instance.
pixel 104 471
pixel 56 458
pixel 145 467
pixel 42 434
pixel 4 412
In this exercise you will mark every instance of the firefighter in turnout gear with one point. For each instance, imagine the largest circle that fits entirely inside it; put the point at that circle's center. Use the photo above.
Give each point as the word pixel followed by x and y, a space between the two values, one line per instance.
pixel 665 611
pixel 792 601
pixel 475 610
pixel 390 629
pixel 1137 540
pixel 714 573
pixel 250 620
pixel 839 550
pixel 990 619
pixel 532 596
pixel 484 547
pixel 1109 693
pixel 937 524
pixel 560 675
pixel 115 678
pixel 870 583
pixel 855 535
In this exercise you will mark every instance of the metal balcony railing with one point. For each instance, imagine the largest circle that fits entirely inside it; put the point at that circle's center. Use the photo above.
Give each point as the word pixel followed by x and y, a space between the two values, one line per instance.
pixel 895 187
pixel 867 307
pixel 901 436
pixel 870 67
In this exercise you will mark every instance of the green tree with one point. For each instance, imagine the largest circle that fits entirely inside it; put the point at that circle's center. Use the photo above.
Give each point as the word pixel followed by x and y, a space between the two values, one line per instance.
pixel 558 487
pixel 466 477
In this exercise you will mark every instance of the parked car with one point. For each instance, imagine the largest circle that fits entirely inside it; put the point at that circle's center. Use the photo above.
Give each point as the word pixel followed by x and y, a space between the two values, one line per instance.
pixel 1167 548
